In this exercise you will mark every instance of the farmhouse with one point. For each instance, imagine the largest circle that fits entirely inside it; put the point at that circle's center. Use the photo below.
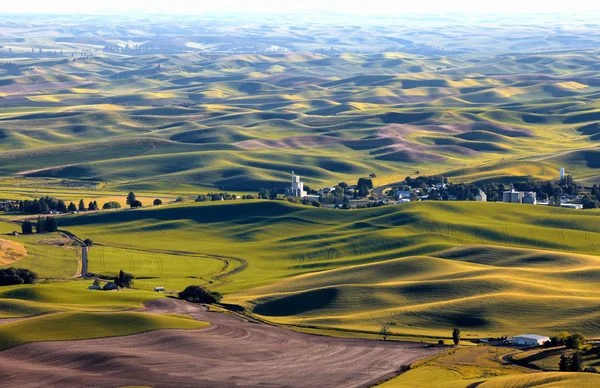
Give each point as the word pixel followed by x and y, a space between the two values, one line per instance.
pixel 529 339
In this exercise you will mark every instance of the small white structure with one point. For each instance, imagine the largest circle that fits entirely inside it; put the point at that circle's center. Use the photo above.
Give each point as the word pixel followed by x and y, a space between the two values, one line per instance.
pixel 529 339
pixel 562 173
pixel 403 194
pixel 297 187
pixel 481 197
pixel 577 206
pixel 159 289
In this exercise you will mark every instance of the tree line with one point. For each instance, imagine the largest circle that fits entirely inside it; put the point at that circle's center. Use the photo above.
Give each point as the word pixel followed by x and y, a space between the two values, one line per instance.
pixel 43 225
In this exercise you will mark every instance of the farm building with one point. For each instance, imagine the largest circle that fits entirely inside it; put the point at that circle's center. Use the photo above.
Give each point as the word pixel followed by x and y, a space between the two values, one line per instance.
pixel 159 289
pixel 481 197
pixel 529 339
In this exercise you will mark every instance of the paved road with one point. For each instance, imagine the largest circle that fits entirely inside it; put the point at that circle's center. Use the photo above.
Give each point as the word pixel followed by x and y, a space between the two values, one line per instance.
pixel 230 352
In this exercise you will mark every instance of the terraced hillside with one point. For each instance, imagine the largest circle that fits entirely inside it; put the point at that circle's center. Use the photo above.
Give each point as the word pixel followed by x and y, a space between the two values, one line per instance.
pixel 242 122
pixel 425 267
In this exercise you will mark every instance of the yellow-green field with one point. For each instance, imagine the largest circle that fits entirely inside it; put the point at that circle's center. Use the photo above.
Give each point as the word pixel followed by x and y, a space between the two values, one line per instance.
pixel 489 268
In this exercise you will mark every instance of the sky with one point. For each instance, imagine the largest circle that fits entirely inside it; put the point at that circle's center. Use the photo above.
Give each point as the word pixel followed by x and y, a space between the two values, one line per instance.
pixel 371 7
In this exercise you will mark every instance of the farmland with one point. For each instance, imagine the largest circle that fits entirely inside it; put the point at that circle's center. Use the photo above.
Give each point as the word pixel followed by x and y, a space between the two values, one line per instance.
pixel 94 108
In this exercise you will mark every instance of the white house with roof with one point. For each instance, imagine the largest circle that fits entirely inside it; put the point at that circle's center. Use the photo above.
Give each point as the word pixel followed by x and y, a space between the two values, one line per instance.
pixel 529 339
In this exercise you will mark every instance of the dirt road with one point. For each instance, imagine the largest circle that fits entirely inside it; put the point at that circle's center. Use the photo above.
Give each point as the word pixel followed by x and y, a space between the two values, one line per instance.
pixel 230 352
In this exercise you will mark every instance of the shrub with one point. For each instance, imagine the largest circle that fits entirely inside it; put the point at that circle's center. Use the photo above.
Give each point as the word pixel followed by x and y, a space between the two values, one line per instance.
pixel 157 202
pixel 440 342
pixel 199 294
pixel 10 276
pixel 591 369
pixel 88 242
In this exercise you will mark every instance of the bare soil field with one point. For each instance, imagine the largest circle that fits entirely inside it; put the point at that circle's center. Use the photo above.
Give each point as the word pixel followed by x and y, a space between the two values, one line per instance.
pixel 229 352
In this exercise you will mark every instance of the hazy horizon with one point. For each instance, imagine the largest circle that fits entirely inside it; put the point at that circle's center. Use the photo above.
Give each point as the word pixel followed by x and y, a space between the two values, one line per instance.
pixel 357 8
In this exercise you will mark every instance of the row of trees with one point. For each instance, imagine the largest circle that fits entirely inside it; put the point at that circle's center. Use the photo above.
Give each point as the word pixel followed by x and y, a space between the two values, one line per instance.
pixel 43 225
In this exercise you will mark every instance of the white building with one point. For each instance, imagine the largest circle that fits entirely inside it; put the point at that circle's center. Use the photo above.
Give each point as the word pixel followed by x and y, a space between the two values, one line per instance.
pixel 481 197
pixel 577 206
pixel 562 173
pixel 297 187
pixel 529 339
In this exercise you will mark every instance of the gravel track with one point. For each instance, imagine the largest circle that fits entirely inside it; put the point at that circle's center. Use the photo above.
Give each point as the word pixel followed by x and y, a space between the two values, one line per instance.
pixel 231 352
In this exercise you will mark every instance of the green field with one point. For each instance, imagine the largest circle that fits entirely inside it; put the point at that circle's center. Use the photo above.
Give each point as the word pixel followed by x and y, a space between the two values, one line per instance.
pixel 491 269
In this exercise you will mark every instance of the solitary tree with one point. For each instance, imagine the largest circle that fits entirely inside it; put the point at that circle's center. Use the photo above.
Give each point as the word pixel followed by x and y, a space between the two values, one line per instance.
pixel 157 202
pixel 27 227
pixel 135 204
pixel 456 335
pixel 124 279
pixel 564 365
pixel 39 226
pixel 50 225
pixel 576 363
pixel 385 331
pixel 130 198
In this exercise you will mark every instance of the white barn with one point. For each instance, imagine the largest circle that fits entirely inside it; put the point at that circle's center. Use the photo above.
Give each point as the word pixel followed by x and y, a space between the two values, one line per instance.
pixel 529 339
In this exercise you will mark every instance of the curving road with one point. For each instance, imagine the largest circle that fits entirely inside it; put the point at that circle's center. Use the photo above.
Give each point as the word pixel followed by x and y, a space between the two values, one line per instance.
pixel 230 352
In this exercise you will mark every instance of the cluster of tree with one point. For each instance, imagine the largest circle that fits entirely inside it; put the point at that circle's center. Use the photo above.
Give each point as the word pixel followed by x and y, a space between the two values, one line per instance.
pixel 592 201
pixel 43 225
pixel 571 341
pixel 43 205
pixel 570 363
pixel 199 294
pixel 363 186
pixel 10 276
pixel 132 201
pixel 215 197
pixel 111 205
pixel 423 181
pixel 124 279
